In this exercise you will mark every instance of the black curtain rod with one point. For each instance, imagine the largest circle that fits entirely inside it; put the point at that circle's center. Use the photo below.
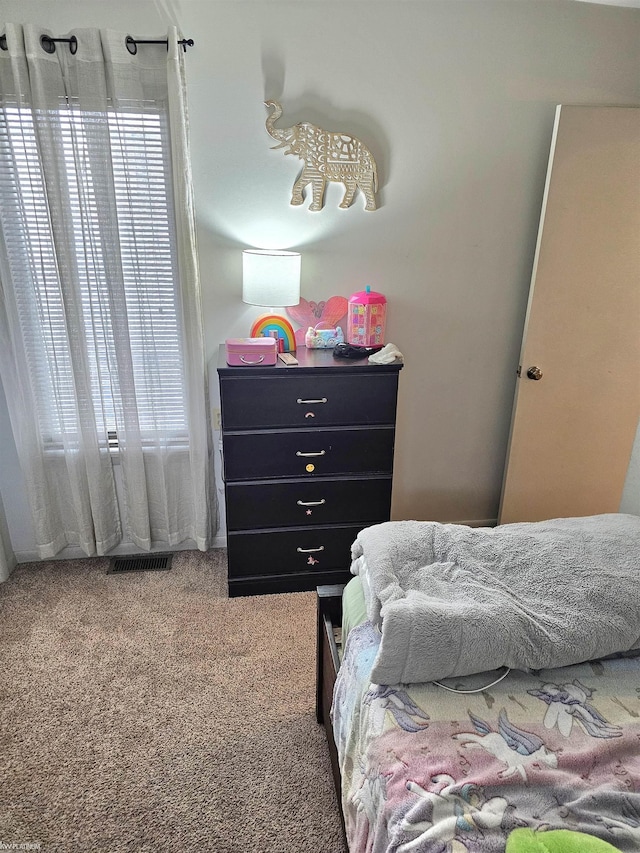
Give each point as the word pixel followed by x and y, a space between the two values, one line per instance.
pixel 49 44
pixel 132 44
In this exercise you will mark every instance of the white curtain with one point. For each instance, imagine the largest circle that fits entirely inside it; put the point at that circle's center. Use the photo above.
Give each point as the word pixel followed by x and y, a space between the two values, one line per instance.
pixel 101 342
pixel 7 557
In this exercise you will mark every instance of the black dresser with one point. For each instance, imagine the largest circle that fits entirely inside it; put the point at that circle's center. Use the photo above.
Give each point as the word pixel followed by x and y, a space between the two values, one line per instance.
pixel 307 463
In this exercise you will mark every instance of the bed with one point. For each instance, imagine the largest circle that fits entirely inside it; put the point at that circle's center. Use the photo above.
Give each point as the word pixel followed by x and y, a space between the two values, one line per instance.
pixel 549 753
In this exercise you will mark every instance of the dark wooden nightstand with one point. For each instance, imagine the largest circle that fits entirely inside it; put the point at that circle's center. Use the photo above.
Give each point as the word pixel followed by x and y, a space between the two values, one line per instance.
pixel 307 463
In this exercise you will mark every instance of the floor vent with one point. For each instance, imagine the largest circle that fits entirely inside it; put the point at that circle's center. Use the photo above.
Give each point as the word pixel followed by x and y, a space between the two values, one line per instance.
pixel 140 563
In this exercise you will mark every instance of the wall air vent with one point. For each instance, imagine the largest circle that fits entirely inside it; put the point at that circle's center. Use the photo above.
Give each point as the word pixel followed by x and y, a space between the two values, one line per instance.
pixel 140 563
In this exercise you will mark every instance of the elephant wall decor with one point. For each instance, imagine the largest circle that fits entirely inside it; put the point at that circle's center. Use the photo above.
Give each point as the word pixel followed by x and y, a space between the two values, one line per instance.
pixel 328 156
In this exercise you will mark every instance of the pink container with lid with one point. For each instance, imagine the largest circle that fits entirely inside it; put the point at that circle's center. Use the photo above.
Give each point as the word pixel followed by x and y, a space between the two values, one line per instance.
pixel 366 318
pixel 249 352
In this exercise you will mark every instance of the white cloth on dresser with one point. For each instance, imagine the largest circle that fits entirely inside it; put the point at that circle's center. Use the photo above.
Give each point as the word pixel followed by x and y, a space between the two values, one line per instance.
pixel 387 355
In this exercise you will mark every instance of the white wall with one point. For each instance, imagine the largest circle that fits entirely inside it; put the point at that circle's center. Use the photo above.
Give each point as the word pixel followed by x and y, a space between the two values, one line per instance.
pixel 456 99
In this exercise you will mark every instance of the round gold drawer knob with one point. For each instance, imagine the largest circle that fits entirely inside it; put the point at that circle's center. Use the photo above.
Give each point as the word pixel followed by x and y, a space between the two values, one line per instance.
pixel 534 373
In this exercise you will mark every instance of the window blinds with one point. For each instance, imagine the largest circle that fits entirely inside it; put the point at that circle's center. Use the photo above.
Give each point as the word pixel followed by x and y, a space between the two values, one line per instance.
pixel 142 224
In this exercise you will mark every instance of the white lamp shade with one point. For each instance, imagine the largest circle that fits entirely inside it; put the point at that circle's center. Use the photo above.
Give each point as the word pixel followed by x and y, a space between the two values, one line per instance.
pixel 270 278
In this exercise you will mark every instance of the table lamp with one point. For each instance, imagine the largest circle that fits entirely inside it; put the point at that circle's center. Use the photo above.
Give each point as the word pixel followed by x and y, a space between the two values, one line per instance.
pixel 271 278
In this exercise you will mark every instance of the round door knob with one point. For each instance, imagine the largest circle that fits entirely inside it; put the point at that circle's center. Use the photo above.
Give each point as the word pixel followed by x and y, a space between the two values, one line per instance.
pixel 534 373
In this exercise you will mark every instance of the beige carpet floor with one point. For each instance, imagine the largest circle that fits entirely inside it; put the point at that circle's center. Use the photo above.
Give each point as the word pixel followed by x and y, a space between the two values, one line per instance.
pixel 148 712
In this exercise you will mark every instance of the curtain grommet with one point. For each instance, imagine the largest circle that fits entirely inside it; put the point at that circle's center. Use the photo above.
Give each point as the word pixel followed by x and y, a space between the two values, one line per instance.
pixel 48 44
pixel 131 44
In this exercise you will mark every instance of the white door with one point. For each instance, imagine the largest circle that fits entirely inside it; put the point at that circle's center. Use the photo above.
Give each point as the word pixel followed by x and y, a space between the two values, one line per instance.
pixel 577 402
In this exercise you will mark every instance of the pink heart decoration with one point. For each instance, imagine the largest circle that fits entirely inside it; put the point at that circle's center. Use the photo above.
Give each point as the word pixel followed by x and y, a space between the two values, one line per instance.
pixel 319 315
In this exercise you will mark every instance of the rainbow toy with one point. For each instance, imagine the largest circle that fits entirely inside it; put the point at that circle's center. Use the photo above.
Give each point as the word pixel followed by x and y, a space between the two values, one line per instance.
pixel 272 322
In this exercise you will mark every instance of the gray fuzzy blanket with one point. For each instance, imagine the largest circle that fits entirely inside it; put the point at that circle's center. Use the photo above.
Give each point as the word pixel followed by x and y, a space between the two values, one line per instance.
pixel 452 600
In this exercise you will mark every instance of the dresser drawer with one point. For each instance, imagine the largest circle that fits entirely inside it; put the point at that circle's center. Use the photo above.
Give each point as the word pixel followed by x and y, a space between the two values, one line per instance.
pixel 307 502
pixel 312 453
pixel 264 402
pixel 285 551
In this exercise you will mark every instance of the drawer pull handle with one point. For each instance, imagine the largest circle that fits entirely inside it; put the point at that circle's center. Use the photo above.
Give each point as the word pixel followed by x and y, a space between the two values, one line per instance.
pixel 248 361
pixel 311 453
pixel 311 503
pixel 323 400
pixel 309 550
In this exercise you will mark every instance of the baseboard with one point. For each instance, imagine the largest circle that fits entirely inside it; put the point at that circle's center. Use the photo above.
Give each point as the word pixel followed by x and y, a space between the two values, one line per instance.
pixel 73 552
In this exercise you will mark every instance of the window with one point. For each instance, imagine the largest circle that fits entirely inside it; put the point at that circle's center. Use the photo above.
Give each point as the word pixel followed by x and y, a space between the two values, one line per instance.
pixel 121 318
